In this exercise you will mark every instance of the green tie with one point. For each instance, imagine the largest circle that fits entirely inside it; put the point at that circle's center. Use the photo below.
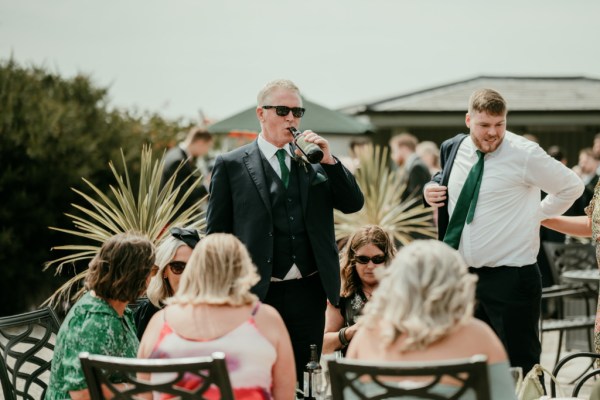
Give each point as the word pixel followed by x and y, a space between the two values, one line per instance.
pixel 464 210
pixel 285 172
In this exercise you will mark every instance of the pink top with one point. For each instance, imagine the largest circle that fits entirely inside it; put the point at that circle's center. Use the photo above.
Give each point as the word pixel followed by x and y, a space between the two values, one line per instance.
pixel 248 354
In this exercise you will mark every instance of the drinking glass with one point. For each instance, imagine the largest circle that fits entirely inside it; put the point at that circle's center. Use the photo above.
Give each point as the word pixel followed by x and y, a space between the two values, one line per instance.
pixel 517 374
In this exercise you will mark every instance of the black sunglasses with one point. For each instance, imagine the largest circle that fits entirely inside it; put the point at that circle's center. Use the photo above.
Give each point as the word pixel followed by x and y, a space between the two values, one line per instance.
pixel 189 236
pixel 282 111
pixel 177 267
pixel 380 259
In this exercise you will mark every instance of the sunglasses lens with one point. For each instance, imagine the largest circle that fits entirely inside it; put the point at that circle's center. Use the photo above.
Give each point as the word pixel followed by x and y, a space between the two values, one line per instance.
pixel 378 259
pixel 177 267
pixel 282 111
pixel 297 112
pixel 375 259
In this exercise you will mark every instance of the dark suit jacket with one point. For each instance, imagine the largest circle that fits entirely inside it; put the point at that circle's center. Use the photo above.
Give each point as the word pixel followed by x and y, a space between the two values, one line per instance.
pixel 174 157
pixel 240 204
pixel 448 151
pixel 417 175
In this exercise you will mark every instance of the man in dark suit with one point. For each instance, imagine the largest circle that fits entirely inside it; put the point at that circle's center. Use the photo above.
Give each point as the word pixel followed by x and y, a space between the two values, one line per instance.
pixel 416 173
pixel 197 144
pixel 281 208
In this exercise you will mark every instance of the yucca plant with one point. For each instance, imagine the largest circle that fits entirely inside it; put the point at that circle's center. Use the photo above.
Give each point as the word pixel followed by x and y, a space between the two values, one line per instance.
pixel 383 190
pixel 149 211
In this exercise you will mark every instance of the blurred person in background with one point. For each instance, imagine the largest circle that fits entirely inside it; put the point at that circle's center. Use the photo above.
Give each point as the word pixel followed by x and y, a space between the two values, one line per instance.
pixel 430 154
pixel 368 249
pixel 186 154
pixel 214 311
pixel 100 322
pixel 415 172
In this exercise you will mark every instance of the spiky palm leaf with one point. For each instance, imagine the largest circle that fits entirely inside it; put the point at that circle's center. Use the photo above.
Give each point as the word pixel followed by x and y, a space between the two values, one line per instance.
pixel 148 212
pixel 383 190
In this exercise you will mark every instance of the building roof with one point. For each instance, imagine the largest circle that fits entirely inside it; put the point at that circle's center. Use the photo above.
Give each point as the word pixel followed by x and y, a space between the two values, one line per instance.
pixel 521 93
pixel 318 118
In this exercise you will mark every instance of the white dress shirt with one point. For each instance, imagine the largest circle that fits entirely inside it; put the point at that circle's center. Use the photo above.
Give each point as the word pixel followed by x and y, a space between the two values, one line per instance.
pixel 268 150
pixel 505 228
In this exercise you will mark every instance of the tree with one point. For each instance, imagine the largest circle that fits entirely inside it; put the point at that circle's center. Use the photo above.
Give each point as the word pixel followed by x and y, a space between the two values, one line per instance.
pixel 53 132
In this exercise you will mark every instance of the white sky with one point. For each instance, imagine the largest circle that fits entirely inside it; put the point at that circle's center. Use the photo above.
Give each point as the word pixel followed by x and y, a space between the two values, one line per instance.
pixel 177 57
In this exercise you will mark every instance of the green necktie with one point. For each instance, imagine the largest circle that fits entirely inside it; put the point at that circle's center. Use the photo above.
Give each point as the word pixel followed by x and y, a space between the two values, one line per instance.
pixel 285 172
pixel 464 210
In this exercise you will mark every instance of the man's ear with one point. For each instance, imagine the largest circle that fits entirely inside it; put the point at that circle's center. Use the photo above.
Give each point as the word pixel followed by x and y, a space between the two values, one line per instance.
pixel 468 120
pixel 259 113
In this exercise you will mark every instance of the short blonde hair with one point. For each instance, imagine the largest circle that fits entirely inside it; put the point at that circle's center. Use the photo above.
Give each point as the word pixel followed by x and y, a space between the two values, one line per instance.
pixel 159 288
pixel 487 100
pixel 220 271
pixel 270 87
pixel 425 292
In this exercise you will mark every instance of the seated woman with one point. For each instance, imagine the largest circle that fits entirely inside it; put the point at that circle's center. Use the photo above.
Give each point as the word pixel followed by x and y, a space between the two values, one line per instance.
pixel 214 310
pixel 100 322
pixel 172 255
pixel 367 249
pixel 423 311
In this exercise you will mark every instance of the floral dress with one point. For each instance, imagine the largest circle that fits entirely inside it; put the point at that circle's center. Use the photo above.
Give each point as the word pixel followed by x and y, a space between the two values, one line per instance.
pixel 593 212
pixel 94 326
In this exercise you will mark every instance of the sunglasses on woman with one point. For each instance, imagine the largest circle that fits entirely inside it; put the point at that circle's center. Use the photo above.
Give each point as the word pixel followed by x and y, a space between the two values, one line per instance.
pixel 177 267
pixel 379 259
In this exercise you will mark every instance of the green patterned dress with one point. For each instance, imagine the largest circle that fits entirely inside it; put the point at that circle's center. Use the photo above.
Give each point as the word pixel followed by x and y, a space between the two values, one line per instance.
pixel 593 213
pixel 91 325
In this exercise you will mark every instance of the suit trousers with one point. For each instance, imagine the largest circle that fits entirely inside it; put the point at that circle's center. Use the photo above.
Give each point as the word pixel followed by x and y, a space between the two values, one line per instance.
pixel 509 300
pixel 301 303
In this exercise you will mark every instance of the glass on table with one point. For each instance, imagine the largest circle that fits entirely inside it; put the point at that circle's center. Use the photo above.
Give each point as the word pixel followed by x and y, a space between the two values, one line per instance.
pixel 517 375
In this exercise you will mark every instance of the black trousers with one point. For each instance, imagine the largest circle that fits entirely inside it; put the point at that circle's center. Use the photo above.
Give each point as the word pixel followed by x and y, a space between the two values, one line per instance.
pixel 509 300
pixel 301 303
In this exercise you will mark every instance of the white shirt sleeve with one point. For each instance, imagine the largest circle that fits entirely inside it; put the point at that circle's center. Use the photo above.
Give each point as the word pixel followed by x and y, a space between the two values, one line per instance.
pixel 561 184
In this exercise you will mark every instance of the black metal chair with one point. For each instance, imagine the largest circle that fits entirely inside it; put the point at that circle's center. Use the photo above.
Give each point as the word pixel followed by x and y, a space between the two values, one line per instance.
pixel 186 378
pixel 564 257
pixel 379 380
pixel 26 347
pixel 583 378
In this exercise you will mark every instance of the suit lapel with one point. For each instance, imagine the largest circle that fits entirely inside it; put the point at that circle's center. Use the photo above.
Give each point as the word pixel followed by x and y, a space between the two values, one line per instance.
pixel 253 162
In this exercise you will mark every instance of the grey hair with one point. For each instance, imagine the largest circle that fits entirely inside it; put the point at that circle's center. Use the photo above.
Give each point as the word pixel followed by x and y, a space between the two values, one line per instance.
pixel 270 87
pixel 425 292
pixel 159 288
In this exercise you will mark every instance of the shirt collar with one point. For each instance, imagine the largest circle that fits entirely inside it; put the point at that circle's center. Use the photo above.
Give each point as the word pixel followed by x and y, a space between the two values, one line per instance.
pixel 183 148
pixel 268 149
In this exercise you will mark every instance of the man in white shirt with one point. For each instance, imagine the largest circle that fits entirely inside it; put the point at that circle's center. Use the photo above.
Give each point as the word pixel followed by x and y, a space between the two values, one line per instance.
pixel 502 240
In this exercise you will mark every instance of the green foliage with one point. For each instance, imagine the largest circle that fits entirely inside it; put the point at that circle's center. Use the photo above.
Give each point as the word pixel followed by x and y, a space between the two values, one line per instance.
pixel 148 210
pixel 53 131
pixel 383 190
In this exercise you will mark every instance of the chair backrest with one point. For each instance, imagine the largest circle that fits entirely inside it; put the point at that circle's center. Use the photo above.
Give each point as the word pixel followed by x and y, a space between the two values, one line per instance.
pixel 564 257
pixel 26 348
pixel 186 378
pixel 583 378
pixel 379 380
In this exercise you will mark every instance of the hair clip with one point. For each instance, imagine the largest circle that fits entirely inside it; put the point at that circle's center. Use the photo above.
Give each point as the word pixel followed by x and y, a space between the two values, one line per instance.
pixel 189 236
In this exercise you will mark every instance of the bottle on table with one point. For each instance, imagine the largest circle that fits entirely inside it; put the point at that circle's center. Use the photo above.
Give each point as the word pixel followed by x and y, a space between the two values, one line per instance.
pixel 313 376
